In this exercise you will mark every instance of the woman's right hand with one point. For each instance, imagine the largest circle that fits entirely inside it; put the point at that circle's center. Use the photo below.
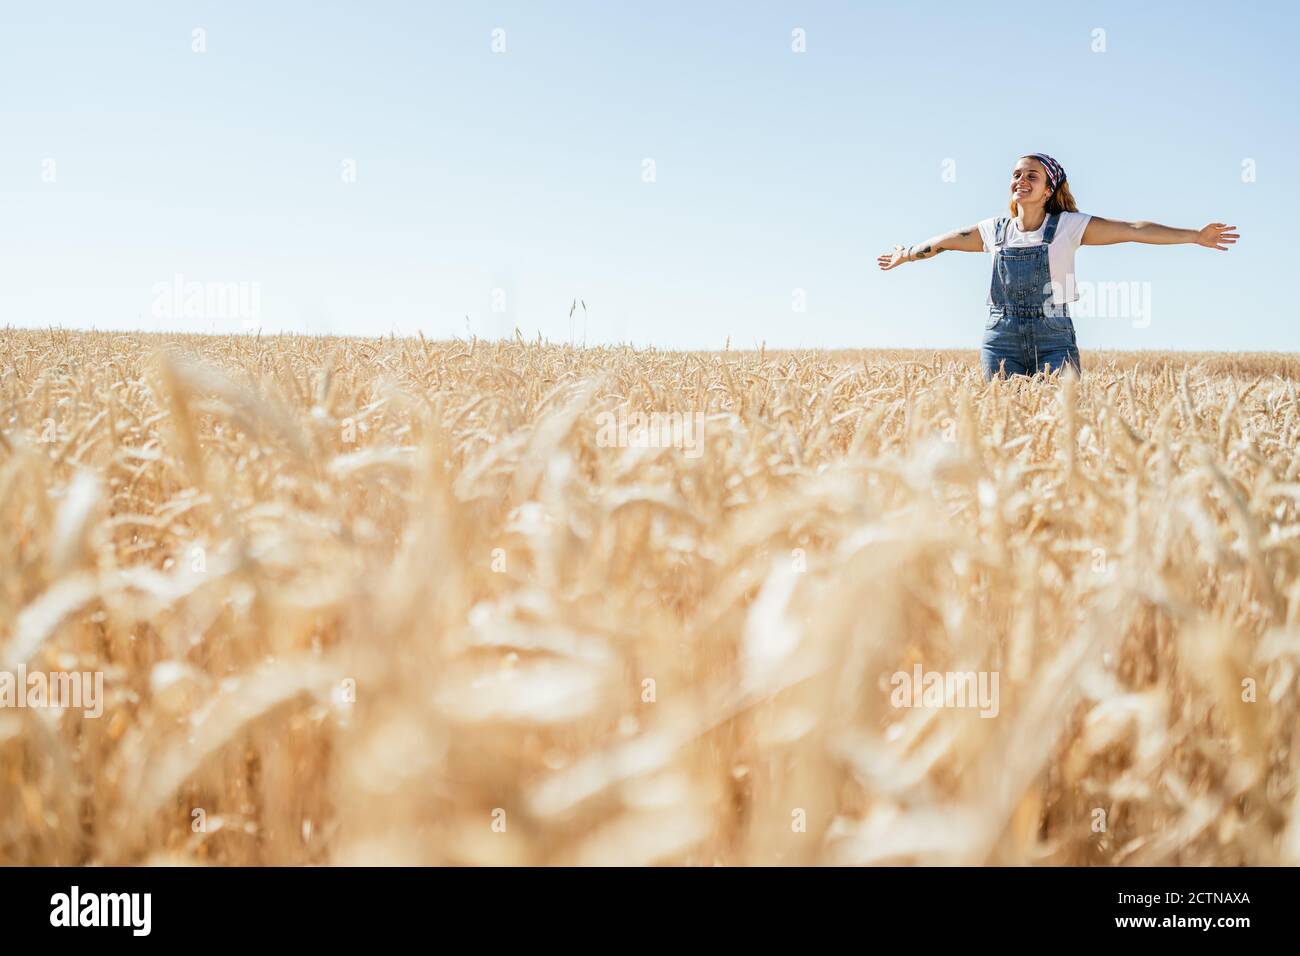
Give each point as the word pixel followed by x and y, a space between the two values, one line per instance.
pixel 891 259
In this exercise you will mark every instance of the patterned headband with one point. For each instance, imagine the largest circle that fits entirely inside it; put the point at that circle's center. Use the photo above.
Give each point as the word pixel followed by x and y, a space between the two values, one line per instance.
pixel 1055 173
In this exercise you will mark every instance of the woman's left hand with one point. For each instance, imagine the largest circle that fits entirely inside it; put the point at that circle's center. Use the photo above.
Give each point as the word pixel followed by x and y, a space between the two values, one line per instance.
pixel 891 259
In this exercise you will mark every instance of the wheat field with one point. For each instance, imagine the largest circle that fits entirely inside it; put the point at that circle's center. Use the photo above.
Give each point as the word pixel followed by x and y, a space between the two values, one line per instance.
pixel 394 601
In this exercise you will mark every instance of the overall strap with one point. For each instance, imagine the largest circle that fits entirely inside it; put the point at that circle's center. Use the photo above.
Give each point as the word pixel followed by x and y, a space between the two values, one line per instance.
pixel 1050 231
pixel 1000 231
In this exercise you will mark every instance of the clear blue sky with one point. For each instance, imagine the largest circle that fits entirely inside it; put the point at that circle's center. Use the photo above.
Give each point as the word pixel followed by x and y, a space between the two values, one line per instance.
pixel 523 170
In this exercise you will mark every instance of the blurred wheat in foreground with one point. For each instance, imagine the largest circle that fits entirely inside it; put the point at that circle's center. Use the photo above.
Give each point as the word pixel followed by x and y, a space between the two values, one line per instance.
pixel 389 601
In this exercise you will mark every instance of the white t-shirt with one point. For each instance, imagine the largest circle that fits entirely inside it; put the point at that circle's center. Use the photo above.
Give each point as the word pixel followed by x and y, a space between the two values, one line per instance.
pixel 1060 254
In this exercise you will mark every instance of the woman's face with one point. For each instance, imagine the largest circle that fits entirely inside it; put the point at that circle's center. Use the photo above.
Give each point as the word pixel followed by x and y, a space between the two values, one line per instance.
pixel 1029 182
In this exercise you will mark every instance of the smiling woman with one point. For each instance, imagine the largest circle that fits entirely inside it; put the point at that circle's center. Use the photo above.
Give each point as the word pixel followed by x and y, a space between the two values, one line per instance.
pixel 1029 328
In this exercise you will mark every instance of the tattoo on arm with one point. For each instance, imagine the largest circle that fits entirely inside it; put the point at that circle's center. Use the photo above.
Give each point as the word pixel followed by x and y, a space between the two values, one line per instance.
pixel 925 252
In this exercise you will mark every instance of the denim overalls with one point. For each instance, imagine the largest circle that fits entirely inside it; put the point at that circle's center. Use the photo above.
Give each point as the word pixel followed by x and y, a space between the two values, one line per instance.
pixel 1025 329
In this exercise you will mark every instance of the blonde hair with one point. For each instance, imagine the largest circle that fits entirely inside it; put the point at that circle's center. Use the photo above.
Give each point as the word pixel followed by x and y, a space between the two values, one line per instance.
pixel 1061 199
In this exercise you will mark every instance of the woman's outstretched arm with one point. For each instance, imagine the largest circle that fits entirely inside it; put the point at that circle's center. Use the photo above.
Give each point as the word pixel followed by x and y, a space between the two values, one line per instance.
pixel 960 240
pixel 1105 232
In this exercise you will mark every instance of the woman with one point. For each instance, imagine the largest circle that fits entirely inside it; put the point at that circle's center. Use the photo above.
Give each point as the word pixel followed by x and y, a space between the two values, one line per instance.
pixel 1029 327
